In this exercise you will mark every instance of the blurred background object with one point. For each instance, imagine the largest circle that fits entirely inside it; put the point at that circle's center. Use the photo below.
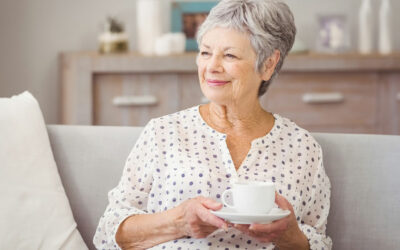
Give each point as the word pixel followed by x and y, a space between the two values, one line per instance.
pixel 187 16
pixel 333 34
pixel 385 28
pixel 365 28
pixel 170 43
pixel 113 39
pixel 148 25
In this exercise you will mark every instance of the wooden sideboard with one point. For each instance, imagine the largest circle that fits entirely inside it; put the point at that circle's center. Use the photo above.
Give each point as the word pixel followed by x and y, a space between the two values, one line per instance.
pixel 322 93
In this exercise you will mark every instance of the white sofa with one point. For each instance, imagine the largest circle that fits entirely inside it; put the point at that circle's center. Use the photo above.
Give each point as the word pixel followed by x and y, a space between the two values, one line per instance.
pixel 364 171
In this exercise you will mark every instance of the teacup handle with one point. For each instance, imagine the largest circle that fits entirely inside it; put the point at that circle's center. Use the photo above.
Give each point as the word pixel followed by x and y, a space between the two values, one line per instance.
pixel 223 198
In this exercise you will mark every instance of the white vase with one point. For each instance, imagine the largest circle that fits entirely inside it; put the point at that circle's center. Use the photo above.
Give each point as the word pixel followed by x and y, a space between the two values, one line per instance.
pixel 385 38
pixel 148 19
pixel 365 28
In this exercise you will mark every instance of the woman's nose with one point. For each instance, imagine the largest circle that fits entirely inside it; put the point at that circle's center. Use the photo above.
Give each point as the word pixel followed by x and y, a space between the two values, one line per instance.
pixel 215 64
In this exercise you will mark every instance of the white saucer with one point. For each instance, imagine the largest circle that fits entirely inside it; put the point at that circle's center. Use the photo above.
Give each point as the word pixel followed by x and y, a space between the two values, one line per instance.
pixel 233 216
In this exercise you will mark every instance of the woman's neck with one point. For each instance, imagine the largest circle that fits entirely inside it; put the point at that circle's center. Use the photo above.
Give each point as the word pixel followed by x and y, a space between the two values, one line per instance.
pixel 236 119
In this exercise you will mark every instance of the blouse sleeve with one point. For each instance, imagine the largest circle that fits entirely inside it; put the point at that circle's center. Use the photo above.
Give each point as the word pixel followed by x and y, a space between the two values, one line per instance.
pixel 315 214
pixel 130 196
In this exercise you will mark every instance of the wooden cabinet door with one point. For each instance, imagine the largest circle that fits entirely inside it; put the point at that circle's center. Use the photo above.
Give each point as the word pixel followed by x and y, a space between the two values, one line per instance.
pixel 133 99
pixel 326 102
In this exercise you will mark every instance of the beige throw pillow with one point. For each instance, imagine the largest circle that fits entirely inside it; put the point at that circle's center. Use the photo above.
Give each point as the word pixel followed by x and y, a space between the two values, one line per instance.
pixel 34 209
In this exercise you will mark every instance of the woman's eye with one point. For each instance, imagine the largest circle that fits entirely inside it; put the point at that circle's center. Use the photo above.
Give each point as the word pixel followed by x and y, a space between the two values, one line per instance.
pixel 230 56
pixel 204 53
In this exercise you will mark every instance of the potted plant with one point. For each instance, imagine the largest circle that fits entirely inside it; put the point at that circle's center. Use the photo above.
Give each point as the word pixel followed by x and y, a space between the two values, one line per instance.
pixel 113 38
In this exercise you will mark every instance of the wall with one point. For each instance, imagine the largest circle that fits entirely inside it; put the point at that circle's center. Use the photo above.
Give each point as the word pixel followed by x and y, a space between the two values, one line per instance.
pixel 32 33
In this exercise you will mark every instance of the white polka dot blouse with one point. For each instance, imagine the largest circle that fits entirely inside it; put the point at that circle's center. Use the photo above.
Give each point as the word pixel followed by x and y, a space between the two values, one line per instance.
pixel 178 157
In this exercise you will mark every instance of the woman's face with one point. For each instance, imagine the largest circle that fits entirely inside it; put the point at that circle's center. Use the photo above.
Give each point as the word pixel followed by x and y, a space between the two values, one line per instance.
pixel 226 67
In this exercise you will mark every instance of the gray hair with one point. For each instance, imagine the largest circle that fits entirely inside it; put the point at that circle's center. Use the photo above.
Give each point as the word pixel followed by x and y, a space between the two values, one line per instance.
pixel 269 23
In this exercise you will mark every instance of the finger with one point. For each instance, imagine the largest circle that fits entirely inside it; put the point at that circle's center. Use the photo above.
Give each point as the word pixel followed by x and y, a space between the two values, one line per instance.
pixel 210 204
pixel 243 228
pixel 211 219
pixel 262 228
pixel 230 224
pixel 280 201
pixel 283 203
pixel 273 227
pixel 261 236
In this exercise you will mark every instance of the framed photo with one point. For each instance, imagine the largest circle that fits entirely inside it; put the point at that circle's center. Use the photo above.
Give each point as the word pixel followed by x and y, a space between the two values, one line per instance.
pixel 333 34
pixel 186 17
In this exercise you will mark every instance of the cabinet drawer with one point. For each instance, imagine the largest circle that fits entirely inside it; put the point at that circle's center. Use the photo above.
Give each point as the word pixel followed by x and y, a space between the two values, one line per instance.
pixel 312 100
pixel 133 99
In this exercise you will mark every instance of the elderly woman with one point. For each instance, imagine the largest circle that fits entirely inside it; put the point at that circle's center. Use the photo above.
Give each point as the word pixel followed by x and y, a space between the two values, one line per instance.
pixel 183 162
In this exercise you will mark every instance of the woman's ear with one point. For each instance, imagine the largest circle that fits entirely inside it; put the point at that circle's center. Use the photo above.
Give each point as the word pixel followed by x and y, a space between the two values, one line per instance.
pixel 270 64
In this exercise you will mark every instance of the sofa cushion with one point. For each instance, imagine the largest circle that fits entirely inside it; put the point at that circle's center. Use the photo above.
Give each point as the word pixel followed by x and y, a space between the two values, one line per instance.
pixel 34 210
pixel 364 172
pixel 90 160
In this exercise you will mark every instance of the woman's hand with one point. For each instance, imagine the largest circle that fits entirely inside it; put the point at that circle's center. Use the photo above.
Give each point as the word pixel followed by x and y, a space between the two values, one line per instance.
pixel 285 233
pixel 196 220
pixel 190 218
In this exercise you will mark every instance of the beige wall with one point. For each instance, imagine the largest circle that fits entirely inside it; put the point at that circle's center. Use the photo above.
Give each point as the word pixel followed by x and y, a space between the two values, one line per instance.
pixel 32 33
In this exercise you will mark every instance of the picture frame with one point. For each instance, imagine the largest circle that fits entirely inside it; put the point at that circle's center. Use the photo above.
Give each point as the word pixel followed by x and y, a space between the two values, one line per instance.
pixel 333 33
pixel 186 17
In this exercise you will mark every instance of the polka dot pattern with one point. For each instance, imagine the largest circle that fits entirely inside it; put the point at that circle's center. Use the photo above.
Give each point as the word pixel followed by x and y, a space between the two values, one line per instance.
pixel 178 157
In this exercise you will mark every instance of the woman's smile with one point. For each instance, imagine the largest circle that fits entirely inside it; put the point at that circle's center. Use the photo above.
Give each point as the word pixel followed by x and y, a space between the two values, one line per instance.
pixel 216 83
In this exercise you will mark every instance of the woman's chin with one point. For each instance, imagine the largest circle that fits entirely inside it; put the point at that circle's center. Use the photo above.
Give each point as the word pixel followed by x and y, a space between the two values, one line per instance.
pixel 218 99
pixel 217 94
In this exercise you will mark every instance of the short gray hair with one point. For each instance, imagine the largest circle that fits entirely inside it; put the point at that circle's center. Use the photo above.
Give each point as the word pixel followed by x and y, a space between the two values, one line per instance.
pixel 269 23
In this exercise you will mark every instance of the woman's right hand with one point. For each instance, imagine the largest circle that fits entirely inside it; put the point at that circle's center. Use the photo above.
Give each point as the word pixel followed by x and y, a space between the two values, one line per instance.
pixel 195 219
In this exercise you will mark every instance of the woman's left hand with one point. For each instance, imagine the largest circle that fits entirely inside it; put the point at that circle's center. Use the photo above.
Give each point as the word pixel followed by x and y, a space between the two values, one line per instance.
pixel 285 233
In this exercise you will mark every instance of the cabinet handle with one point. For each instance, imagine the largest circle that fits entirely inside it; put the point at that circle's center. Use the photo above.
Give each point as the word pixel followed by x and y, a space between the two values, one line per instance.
pixel 316 98
pixel 142 100
pixel 398 96
pixel 204 100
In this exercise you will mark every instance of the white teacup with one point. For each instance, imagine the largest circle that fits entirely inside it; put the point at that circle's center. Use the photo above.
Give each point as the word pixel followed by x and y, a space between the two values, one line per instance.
pixel 251 197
